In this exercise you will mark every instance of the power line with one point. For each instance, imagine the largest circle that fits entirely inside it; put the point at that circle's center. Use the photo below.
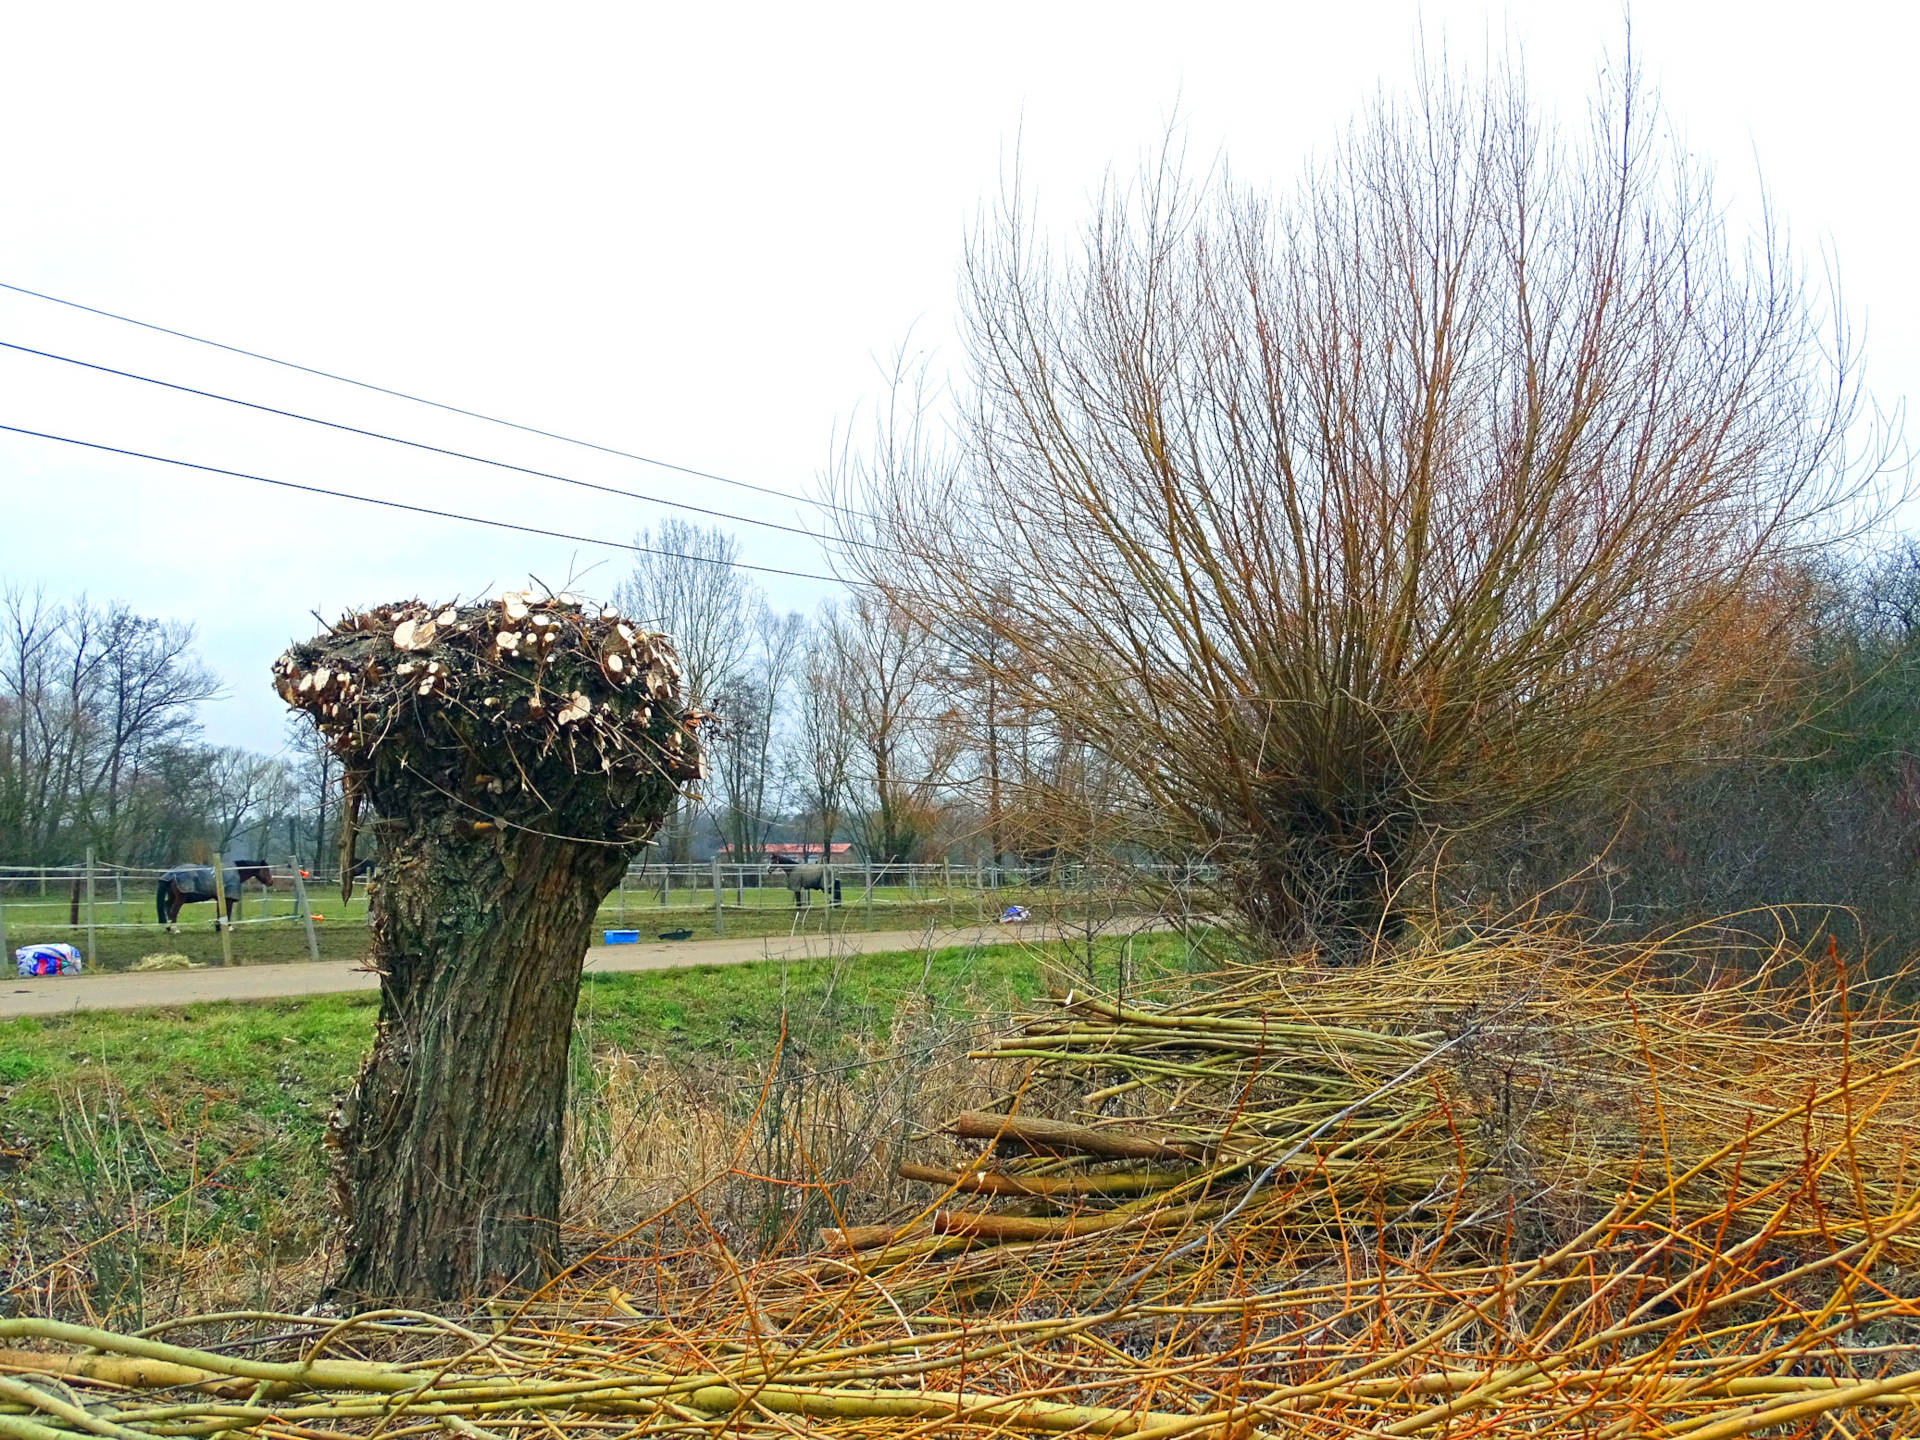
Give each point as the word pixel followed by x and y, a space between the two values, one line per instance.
pixel 414 509
pixel 419 444
pixel 423 400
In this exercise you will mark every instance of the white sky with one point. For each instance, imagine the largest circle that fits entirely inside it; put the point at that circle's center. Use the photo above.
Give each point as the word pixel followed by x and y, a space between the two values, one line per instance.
pixel 685 231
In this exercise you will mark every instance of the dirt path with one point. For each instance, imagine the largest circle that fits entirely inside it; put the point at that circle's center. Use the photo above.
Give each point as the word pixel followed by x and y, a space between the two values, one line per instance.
pixel 55 995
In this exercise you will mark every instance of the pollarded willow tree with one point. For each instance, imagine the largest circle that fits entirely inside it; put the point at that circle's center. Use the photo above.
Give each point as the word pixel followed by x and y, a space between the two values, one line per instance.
pixel 1470 473
pixel 516 756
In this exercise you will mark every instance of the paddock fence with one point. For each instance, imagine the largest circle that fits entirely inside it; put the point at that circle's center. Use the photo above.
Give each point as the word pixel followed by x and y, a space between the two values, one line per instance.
pixel 108 912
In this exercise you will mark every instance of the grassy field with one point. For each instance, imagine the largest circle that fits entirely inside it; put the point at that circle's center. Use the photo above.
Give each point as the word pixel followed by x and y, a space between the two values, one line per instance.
pixel 131 1140
pixel 267 931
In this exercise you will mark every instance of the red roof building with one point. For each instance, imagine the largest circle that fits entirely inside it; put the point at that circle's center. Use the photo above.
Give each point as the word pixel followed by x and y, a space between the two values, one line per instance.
pixel 801 849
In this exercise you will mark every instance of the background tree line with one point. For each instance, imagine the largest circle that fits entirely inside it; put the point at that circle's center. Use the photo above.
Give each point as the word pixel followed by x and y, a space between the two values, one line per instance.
pixel 841 726
pixel 855 724
pixel 100 747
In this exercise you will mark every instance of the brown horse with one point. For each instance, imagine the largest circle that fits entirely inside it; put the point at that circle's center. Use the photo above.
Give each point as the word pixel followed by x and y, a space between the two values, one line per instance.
pixel 189 884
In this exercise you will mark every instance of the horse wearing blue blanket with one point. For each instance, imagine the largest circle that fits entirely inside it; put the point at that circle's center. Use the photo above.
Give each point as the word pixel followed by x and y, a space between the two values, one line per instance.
pixel 190 884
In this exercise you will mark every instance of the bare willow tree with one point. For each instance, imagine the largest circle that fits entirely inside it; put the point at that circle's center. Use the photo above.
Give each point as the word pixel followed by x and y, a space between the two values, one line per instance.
pixel 517 756
pixel 1466 475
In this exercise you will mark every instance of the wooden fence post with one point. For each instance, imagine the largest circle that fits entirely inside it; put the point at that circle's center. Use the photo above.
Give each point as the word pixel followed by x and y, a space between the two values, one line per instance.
pixel 306 910
pixel 869 873
pixel 719 902
pixel 6 954
pixel 220 909
pixel 93 945
pixel 119 898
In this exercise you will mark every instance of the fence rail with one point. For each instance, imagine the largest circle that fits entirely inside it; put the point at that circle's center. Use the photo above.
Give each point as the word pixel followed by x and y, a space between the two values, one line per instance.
pixel 109 911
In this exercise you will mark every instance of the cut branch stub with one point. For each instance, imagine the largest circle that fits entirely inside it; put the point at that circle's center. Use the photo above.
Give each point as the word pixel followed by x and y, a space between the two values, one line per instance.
pixel 553 688
pixel 512 770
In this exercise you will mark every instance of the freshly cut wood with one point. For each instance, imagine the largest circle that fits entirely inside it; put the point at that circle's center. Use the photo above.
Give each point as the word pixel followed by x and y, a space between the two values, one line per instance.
pixel 1059 1135
pixel 999 1182
pixel 870 1237
pixel 1015 1228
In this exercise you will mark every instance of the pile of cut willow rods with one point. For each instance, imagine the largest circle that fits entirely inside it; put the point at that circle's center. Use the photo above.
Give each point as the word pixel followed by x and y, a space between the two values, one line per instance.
pixel 1521 1183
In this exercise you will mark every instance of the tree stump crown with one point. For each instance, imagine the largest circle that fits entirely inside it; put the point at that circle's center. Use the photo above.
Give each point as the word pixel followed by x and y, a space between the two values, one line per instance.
pixel 528 711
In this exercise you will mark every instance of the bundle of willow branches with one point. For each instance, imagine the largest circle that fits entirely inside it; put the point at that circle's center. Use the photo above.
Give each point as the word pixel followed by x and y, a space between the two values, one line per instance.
pixel 1515 1184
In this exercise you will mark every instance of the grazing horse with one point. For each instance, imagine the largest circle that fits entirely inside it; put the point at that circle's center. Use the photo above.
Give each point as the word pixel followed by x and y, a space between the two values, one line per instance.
pixel 800 878
pixel 188 884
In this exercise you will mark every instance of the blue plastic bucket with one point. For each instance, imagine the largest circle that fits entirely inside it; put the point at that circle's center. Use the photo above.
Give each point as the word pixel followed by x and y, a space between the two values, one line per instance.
pixel 620 937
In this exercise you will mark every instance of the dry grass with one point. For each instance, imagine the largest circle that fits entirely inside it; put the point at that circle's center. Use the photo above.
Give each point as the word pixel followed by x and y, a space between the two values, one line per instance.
pixel 169 1196
pixel 821 1143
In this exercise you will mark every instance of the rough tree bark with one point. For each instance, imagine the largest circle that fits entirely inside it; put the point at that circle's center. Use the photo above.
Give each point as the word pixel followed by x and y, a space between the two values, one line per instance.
pixel 515 756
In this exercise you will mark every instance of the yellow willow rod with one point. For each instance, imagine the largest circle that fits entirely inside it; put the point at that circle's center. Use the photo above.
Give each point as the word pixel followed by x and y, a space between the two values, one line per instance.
pixel 36 1399
pixel 1756 1417
pixel 1736 1387
pixel 1612 1220
pixel 502 1393
pixel 1478 1397
pixel 1042 1415
pixel 343 1374
pixel 18 1428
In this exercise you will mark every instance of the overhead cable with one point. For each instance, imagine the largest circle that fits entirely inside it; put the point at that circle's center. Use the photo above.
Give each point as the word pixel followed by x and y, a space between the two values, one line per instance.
pixel 423 400
pixel 419 444
pixel 414 509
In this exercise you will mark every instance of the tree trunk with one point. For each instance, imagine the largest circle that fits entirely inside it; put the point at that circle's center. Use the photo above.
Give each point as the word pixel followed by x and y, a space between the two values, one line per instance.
pixel 448 1173
pixel 517 757
pixel 994 839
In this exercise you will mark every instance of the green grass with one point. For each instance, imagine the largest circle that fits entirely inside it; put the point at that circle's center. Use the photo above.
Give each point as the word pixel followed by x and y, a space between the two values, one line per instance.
pixel 140 1140
pixel 268 932
pixel 735 1011
pixel 280 1062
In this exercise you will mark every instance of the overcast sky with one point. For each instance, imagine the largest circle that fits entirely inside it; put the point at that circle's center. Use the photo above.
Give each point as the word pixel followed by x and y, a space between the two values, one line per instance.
pixel 683 231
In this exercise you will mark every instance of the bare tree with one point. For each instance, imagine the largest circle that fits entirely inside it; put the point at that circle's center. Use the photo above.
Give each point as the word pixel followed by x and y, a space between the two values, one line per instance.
pixel 820 759
pixel 316 775
pixel 693 589
pixel 247 789
pixel 145 695
pixel 1461 479
pixel 992 733
pixel 904 748
pixel 748 710
pixel 32 630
